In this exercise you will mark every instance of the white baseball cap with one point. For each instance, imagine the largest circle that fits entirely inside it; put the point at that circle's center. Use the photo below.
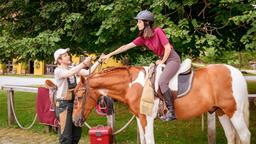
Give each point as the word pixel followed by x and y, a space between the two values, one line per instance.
pixel 59 52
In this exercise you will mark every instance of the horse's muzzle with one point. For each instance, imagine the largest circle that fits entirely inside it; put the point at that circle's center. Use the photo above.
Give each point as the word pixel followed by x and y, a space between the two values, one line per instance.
pixel 79 122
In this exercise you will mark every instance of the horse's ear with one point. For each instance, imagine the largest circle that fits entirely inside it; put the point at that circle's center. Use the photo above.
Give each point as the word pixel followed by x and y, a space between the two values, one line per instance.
pixel 82 79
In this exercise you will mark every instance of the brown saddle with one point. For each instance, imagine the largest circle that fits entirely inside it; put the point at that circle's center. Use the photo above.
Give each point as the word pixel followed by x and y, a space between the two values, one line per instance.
pixel 52 91
pixel 184 83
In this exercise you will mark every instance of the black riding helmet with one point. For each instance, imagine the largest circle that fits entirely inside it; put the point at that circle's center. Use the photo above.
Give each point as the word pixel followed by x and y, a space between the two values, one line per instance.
pixel 145 15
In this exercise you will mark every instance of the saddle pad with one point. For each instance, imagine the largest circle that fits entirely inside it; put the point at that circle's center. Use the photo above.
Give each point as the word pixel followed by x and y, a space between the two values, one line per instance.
pixel 184 83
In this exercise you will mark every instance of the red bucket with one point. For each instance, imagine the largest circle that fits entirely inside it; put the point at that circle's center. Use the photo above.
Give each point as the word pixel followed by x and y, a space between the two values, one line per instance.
pixel 100 135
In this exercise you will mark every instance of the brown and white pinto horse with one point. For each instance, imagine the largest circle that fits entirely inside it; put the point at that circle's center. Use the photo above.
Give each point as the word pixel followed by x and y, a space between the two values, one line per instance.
pixel 215 86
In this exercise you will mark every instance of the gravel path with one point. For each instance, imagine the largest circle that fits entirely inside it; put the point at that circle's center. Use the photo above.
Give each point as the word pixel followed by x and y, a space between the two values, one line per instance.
pixel 19 136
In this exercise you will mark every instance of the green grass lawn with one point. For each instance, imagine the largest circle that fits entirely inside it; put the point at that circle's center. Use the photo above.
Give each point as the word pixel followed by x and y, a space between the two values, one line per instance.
pixel 176 132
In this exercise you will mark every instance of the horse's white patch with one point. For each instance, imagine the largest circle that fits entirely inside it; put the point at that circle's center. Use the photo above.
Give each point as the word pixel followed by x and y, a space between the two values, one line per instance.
pixel 149 130
pixel 240 118
pixel 103 92
pixel 140 79
pixel 228 128
pixel 239 87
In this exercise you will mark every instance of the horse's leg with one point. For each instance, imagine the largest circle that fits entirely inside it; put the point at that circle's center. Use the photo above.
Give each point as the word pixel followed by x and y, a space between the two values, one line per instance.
pixel 238 141
pixel 228 128
pixel 149 129
pixel 242 130
pixel 146 123
pixel 133 101
pixel 141 131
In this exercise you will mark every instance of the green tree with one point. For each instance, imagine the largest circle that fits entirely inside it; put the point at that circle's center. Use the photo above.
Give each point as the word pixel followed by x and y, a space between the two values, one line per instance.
pixel 33 29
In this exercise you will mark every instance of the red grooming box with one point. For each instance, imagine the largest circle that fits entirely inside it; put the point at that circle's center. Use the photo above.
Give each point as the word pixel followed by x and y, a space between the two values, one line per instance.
pixel 100 135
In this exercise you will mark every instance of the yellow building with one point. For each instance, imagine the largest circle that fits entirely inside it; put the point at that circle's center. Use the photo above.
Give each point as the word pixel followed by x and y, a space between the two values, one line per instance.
pixel 40 68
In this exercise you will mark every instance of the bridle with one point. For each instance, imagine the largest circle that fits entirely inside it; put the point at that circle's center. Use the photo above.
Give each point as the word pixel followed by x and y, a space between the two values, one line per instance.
pixel 87 90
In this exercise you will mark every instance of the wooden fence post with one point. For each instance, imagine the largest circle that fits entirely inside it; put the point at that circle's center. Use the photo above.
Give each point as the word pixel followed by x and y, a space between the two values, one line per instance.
pixel 211 128
pixel 10 94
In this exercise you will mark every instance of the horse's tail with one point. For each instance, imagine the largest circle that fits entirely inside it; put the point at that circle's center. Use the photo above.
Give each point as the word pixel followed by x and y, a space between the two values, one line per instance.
pixel 245 105
pixel 240 92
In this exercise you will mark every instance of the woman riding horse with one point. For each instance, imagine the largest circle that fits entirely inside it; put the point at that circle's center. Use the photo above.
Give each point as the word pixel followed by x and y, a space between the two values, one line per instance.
pixel 156 40
pixel 218 87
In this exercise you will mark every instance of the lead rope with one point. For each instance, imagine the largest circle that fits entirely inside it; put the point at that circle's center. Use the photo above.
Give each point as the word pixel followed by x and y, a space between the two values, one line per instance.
pixel 121 129
pixel 118 131
pixel 16 119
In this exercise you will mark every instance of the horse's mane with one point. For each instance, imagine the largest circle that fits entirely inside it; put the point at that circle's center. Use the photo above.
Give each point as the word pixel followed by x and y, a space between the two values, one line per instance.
pixel 110 69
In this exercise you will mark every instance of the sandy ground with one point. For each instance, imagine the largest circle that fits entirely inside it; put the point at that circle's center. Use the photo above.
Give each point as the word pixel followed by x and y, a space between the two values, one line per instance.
pixel 19 136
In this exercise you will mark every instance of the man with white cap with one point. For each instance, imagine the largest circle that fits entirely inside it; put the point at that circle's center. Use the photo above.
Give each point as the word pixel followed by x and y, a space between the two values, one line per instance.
pixel 66 82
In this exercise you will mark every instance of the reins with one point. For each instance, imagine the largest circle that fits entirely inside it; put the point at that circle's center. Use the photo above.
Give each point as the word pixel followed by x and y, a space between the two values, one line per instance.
pixel 87 89
pixel 129 73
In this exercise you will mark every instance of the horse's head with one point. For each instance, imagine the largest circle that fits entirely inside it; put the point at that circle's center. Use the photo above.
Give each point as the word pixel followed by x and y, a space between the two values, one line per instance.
pixel 80 92
pixel 112 82
pixel 83 102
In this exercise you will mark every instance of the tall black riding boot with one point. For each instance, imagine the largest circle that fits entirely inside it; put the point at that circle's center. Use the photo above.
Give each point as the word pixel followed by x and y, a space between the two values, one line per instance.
pixel 170 115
